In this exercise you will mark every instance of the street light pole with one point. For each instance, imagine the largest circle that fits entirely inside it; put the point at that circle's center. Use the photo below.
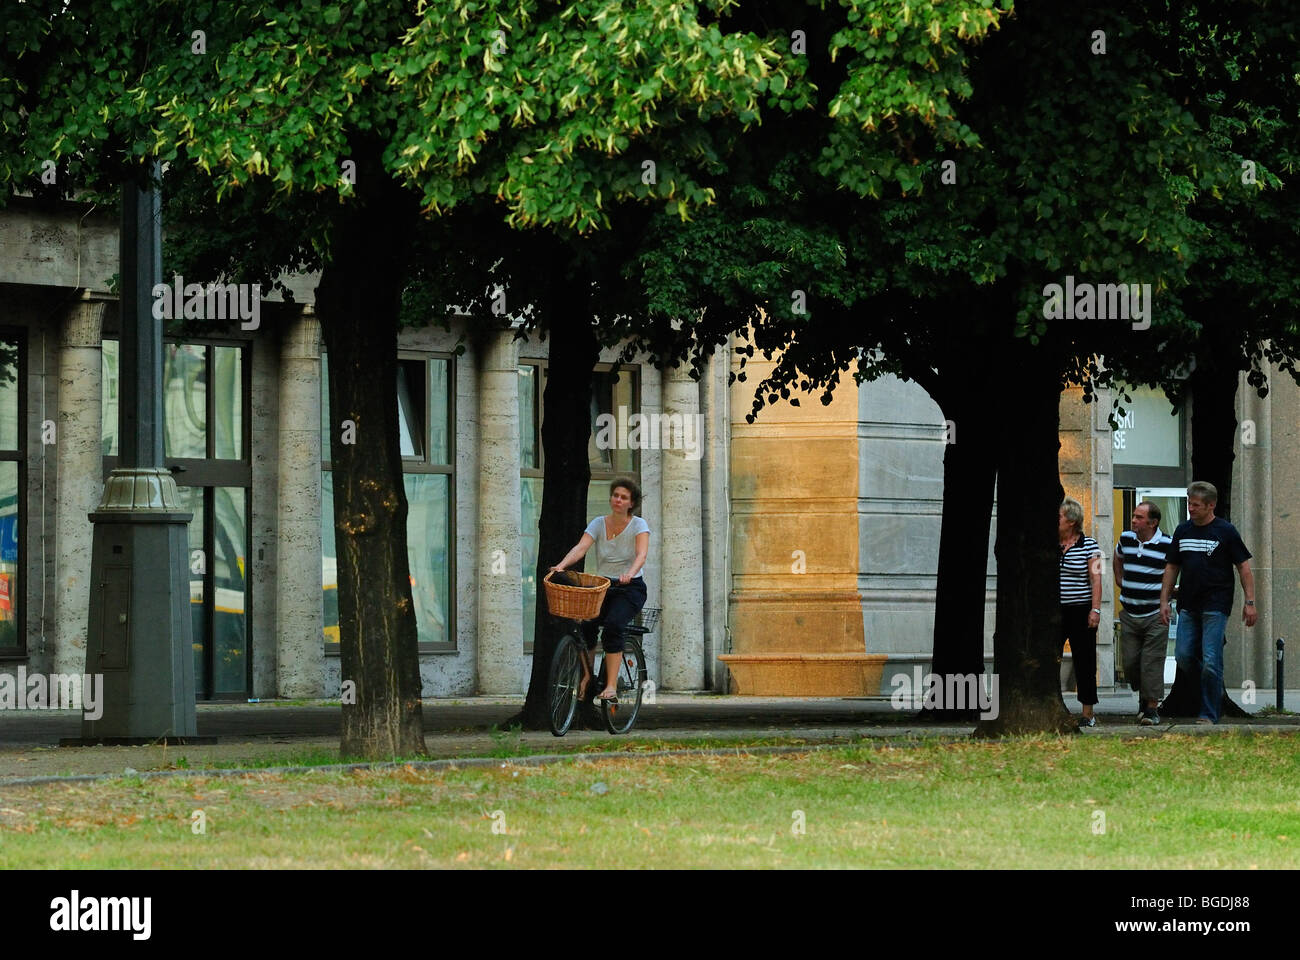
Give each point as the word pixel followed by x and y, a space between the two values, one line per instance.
pixel 139 629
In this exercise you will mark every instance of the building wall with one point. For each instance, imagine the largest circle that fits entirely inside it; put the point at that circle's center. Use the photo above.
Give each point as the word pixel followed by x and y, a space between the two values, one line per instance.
pixel 816 528
pixel 1086 475
pixel 796 611
pixel 715 407
pixel 43 256
pixel 1264 489
pixel 40 315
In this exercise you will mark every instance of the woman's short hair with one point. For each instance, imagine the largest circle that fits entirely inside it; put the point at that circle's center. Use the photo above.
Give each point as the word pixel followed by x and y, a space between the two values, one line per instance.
pixel 1073 511
pixel 628 484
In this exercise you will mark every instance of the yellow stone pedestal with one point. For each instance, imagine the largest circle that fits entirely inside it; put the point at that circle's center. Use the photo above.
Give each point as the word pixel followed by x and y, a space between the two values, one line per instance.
pixel 805 674
pixel 795 611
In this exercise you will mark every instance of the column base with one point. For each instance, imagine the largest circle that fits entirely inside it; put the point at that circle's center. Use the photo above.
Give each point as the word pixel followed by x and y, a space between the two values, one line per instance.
pixel 805 674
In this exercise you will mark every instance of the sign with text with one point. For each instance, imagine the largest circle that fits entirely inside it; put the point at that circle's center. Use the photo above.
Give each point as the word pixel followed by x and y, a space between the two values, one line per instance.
pixel 1148 431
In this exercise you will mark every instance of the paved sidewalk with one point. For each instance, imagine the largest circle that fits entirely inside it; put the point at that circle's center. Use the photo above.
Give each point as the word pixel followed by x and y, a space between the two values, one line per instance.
pixel 291 732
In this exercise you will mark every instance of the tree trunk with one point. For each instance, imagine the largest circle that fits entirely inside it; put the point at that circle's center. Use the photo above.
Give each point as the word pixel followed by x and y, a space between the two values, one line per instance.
pixel 566 432
pixel 1213 391
pixel 1027 635
pixel 358 300
pixel 969 472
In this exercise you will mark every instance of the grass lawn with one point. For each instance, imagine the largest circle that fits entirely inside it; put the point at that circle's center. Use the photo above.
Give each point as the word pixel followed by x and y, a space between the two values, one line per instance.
pixel 1226 801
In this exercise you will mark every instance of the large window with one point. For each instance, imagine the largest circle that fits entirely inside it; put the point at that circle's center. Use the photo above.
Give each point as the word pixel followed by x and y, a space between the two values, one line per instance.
pixel 425 420
pixel 613 392
pixel 1147 445
pixel 531 382
pixel 12 483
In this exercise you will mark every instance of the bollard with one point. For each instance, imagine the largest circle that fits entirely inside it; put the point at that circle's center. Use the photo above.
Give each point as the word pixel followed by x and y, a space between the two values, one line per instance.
pixel 1281 645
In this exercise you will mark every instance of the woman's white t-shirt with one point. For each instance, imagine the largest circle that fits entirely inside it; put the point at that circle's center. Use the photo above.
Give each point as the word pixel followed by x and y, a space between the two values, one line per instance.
pixel 615 557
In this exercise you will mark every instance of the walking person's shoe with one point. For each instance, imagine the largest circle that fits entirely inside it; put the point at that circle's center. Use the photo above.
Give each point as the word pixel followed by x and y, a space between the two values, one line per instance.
pixel 1150 717
pixel 1087 722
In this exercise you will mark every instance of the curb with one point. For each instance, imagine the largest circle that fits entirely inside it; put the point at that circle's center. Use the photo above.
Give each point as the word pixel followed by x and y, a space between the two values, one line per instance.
pixel 910 740
pixel 452 763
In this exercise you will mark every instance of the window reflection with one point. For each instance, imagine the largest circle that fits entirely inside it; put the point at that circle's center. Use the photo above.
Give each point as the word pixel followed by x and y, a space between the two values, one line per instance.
pixel 191 499
pixel 10 570
pixel 185 397
pixel 229 616
pixel 108 357
pixel 410 408
pixel 439 411
pixel 427 544
pixel 228 408
pixel 613 394
pixel 329 558
pixel 530 496
pixel 8 395
pixel 423 393
pixel 528 445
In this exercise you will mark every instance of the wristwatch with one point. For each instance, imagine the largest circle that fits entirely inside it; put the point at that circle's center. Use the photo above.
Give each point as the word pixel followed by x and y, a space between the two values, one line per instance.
pixel 1250 603
pixel 1095 610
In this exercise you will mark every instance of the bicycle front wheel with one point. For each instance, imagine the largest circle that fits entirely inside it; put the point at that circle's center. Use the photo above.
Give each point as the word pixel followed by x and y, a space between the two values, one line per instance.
pixel 566 674
pixel 619 715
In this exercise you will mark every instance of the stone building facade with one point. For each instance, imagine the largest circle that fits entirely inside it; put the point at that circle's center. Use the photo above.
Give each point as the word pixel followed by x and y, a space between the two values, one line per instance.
pixel 795 555
pixel 246 421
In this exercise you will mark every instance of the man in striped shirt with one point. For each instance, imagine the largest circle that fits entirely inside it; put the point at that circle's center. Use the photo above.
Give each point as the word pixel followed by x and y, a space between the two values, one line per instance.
pixel 1139 566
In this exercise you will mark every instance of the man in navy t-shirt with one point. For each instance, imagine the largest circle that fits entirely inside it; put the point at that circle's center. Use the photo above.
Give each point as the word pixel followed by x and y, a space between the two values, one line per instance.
pixel 1205 548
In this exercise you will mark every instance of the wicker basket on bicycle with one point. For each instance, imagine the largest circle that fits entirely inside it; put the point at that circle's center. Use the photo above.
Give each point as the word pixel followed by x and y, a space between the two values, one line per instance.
pixel 575 603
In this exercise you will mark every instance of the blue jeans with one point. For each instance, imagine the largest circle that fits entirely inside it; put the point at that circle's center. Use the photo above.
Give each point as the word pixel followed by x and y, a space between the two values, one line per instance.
pixel 1200 638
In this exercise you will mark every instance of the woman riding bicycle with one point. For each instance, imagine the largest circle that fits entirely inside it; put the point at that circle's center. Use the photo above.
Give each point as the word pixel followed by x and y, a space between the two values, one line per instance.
pixel 622 543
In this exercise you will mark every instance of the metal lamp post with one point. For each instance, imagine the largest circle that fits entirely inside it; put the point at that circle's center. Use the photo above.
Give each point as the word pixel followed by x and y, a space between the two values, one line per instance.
pixel 139 629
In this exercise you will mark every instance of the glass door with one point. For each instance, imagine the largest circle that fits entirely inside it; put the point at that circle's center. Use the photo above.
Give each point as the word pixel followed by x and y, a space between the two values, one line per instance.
pixel 205 443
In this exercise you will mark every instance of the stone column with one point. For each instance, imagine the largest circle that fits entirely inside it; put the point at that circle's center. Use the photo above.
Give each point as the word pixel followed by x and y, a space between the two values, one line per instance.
pixel 1252 657
pixel 264 527
pixel 300 645
pixel 500 597
pixel 682 632
pixel 1086 474
pixel 1283 463
pixel 80 478
pixel 714 394
pixel 796 606
pixel 1103 523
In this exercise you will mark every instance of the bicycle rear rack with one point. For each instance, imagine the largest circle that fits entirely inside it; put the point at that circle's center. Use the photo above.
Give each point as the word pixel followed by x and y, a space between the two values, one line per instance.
pixel 645 621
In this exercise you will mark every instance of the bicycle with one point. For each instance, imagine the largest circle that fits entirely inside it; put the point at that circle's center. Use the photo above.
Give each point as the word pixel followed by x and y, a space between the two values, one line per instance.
pixel 618 713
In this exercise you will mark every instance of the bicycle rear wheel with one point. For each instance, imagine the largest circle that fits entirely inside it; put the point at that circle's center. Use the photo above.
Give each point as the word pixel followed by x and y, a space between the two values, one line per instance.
pixel 566 674
pixel 619 715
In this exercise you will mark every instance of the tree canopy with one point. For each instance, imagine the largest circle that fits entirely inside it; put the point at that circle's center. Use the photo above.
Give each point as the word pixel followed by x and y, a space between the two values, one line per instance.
pixel 892 185
pixel 347 123
pixel 1103 169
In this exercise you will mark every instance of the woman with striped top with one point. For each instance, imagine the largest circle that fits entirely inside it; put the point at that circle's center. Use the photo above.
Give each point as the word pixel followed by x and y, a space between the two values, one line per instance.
pixel 1080 602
